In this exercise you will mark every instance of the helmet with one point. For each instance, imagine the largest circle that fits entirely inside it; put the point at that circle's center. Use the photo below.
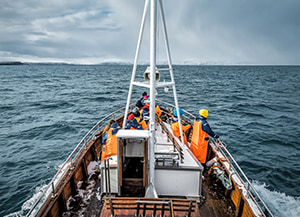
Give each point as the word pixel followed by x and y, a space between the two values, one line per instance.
pixel 181 112
pixel 136 112
pixel 203 113
pixel 130 117
pixel 114 125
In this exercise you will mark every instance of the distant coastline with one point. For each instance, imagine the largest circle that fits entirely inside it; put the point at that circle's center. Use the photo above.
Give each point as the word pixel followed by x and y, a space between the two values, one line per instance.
pixel 122 63
pixel 58 63
pixel 11 63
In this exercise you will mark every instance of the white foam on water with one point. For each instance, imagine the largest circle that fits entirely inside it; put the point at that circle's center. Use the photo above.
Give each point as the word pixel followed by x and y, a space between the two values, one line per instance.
pixel 280 204
pixel 92 167
pixel 27 205
pixel 86 193
pixel 98 194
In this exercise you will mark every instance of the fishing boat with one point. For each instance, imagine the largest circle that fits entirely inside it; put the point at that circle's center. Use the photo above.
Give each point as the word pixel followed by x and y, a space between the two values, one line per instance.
pixel 152 172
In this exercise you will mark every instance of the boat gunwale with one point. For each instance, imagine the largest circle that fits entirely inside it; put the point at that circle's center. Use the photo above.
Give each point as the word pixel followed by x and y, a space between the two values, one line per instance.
pixel 69 161
pixel 90 135
pixel 235 170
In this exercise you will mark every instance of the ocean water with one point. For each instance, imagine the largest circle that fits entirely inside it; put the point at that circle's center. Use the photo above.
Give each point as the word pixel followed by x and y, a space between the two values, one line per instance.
pixel 45 110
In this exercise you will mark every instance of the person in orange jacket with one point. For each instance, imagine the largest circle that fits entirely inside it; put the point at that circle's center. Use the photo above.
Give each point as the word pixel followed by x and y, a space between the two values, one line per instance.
pixel 139 119
pixel 145 112
pixel 109 141
pixel 201 131
pixel 175 126
pixel 135 122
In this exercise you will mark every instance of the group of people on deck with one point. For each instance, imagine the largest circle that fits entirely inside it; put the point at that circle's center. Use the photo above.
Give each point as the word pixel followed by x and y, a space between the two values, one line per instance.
pixel 139 117
pixel 138 120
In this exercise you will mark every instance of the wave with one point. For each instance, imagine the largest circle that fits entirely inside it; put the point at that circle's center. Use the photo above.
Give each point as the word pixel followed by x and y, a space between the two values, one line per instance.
pixel 280 204
pixel 39 190
pixel 27 205
pixel 4 108
pixel 47 131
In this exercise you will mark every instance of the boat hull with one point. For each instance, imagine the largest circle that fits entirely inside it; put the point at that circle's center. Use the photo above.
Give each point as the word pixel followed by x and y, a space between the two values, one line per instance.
pixel 214 199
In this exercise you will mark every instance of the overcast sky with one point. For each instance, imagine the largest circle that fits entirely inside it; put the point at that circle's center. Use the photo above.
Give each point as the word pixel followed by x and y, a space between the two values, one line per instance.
pixel 200 31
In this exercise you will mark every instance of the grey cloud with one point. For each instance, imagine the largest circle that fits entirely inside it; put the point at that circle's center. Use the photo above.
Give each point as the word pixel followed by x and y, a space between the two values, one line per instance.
pixel 218 32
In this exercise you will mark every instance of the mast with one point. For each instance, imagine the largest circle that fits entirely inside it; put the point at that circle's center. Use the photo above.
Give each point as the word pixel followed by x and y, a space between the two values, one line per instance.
pixel 151 192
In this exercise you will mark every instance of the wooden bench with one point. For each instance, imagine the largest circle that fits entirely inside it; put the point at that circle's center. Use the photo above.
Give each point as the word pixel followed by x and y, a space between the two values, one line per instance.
pixel 150 207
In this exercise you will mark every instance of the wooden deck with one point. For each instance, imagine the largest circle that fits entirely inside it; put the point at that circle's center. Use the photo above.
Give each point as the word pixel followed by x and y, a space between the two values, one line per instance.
pixel 149 207
pixel 214 201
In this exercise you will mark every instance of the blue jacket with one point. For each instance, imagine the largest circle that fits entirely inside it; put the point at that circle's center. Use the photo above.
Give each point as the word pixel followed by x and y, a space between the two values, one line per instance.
pixel 205 127
pixel 133 123
pixel 145 113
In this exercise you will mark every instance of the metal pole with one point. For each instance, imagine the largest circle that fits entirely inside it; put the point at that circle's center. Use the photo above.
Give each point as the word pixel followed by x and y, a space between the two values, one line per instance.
pixel 135 61
pixel 108 171
pixel 151 192
pixel 106 180
pixel 170 67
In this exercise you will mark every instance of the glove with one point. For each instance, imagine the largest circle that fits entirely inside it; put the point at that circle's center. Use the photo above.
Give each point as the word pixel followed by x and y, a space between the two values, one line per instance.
pixel 216 136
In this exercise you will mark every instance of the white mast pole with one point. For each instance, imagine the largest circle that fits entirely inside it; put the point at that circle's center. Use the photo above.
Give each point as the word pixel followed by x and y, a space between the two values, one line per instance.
pixel 151 192
pixel 135 61
pixel 170 67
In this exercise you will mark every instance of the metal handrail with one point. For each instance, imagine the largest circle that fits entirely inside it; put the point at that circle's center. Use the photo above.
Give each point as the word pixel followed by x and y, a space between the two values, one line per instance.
pixel 218 143
pixel 186 113
pixel 86 139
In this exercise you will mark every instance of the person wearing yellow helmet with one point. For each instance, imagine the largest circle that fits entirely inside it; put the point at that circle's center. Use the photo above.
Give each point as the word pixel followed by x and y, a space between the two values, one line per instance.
pixel 201 131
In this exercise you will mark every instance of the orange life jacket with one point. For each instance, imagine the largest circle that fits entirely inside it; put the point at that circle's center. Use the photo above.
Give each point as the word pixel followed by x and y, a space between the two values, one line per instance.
pixel 141 112
pixel 176 130
pixel 141 122
pixel 199 142
pixel 110 147
pixel 157 111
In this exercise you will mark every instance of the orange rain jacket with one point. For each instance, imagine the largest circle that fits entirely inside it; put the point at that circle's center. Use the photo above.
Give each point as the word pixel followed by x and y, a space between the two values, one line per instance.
pixel 199 143
pixel 176 129
pixel 109 143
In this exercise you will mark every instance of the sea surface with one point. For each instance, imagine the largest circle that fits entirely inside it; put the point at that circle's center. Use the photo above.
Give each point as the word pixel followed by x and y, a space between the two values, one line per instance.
pixel 45 110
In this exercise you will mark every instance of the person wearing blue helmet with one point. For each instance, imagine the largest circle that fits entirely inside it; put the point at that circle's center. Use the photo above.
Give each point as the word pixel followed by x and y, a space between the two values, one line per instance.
pixel 175 125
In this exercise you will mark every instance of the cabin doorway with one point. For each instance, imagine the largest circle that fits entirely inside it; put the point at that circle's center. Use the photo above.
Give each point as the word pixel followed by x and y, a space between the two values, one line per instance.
pixel 132 166
pixel 133 177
